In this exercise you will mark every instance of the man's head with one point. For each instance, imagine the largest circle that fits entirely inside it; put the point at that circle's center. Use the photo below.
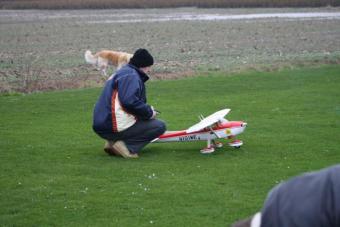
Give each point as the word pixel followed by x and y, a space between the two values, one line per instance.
pixel 142 59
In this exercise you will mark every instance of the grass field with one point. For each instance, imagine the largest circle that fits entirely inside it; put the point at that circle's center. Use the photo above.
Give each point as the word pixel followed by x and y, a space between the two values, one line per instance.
pixel 54 172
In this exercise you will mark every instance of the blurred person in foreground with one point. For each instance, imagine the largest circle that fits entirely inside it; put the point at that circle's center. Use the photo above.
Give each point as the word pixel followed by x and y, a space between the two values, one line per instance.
pixel 309 200
pixel 121 115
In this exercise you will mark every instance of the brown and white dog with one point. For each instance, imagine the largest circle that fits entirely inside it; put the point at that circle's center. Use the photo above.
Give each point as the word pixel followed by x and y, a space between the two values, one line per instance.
pixel 104 58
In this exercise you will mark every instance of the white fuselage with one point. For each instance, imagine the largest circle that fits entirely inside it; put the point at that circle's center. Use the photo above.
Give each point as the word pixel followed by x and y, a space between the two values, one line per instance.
pixel 225 130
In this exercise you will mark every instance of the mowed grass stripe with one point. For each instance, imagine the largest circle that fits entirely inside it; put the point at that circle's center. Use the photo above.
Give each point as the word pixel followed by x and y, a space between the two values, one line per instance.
pixel 54 172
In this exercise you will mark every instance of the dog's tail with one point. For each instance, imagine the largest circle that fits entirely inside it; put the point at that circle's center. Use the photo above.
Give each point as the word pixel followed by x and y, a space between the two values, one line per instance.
pixel 89 58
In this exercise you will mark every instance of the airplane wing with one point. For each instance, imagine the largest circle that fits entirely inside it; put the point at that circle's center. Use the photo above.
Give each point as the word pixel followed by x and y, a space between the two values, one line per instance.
pixel 208 121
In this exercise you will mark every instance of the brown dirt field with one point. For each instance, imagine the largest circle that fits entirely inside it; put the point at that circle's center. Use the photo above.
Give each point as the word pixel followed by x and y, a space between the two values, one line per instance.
pixel 43 50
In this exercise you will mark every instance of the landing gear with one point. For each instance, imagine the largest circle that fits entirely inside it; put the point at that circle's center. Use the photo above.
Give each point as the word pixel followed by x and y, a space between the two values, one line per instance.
pixel 236 144
pixel 217 144
pixel 212 144
pixel 207 150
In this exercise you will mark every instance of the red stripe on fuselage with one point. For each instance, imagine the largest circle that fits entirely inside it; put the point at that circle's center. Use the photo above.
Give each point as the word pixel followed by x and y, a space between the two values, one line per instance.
pixel 230 124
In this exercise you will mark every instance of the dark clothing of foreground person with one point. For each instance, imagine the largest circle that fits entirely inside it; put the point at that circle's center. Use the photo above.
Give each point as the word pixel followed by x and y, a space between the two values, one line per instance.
pixel 309 200
pixel 122 115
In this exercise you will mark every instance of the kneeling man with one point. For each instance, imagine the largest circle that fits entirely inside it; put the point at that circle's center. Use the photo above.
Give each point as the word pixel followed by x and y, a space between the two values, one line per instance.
pixel 122 115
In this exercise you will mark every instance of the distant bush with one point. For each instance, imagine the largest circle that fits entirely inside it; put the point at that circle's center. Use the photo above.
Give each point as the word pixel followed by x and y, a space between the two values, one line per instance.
pixel 118 4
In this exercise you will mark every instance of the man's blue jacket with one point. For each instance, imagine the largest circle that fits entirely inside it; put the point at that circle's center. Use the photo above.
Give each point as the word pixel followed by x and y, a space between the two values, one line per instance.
pixel 122 102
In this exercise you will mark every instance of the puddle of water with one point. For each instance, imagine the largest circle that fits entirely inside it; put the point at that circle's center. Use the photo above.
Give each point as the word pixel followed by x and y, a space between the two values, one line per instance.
pixel 214 17
pixel 154 16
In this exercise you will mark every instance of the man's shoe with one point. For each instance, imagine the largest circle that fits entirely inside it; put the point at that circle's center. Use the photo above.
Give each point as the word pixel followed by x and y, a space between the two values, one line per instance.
pixel 121 149
pixel 108 148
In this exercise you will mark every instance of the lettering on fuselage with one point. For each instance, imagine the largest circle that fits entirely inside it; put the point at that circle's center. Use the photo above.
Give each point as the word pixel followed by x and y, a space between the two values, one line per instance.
pixel 189 138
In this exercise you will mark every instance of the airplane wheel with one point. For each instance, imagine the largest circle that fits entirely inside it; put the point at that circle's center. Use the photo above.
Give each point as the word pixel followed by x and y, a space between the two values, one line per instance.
pixel 237 144
pixel 207 150
pixel 218 144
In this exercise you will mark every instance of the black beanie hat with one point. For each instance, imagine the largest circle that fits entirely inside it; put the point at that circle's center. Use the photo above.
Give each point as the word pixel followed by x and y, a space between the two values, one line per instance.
pixel 141 58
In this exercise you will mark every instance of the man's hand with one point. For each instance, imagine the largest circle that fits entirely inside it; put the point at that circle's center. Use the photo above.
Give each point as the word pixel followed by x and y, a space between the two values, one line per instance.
pixel 154 113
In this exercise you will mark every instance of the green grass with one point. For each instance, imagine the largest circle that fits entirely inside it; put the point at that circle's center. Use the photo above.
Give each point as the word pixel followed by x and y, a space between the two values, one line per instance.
pixel 54 172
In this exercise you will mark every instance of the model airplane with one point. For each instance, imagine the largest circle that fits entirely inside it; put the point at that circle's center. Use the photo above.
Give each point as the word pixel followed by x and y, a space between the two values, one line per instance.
pixel 210 128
